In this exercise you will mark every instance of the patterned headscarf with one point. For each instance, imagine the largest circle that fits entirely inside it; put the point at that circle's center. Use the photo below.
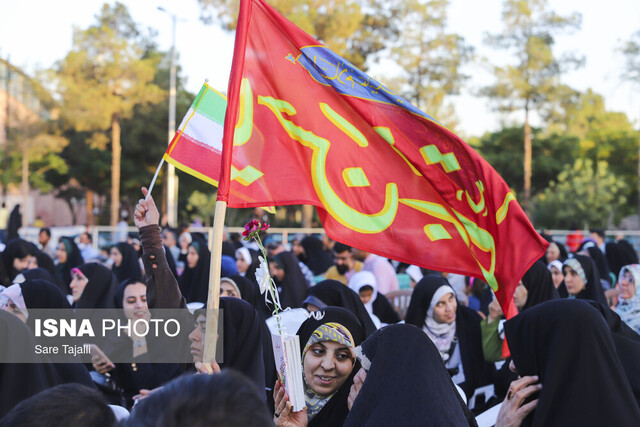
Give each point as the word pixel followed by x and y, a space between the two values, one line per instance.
pixel 629 309
pixel 574 264
pixel 334 332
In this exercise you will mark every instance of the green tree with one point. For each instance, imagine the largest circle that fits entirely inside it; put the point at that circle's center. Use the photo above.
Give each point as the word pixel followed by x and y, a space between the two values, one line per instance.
pixel 354 29
pixel 631 52
pixel 604 135
pixel 146 136
pixel 531 83
pixel 583 192
pixel 87 172
pixel 33 137
pixel 503 150
pixel 202 205
pixel 430 57
pixel 103 78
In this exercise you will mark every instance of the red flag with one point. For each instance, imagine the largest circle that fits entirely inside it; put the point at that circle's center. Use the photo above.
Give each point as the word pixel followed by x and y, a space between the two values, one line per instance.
pixel 385 177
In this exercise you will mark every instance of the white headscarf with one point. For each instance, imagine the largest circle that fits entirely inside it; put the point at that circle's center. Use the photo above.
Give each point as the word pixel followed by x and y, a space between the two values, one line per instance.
pixel 360 280
pixel 246 255
pixel 629 309
pixel 415 273
pixel 442 334
pixel 557 264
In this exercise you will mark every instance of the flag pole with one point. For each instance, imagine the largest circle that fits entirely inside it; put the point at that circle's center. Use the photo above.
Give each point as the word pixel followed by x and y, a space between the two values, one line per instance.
pixel 213 297
pixel 155 176
pixel 230 118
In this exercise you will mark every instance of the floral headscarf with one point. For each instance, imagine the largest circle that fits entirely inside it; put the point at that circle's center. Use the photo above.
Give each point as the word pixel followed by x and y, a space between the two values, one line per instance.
pixel 629 309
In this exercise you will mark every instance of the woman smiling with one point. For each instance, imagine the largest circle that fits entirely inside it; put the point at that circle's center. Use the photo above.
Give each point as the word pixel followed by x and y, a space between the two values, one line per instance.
pixel 329 364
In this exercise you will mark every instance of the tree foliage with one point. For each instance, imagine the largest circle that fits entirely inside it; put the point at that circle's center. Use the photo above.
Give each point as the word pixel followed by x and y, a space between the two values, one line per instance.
pixel 584 192
pixel 202 205
pixel 530 83
pixel 503 150
pixel 430 57
pixel 631 52
pixel 354 29
pixel 106 74
pixel 605 135
pixel 529 34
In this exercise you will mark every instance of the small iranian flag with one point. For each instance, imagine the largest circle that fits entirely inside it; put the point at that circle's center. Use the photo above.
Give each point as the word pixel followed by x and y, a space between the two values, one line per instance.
pixel 197 146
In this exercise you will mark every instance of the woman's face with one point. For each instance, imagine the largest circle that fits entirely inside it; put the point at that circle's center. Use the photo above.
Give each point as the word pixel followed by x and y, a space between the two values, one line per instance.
pixel 276 271
pixel 10 307
pixel 78 283
pixel 228 290
pixel 183 241
pixel 21 263
pixel 61 253
pixel 358 382
pixel 297 248
pixel 365 294
pixel 32 263
pixel 627 286
pixel 192 257
pixel 556 276
pixel 197 338
pixel 520 296
pixel 115 256
pixel 445 309
pixel 327 365
pixel 573 281
pixel 553 253
pixel 312 308
pixel 134 302
pixel 242 264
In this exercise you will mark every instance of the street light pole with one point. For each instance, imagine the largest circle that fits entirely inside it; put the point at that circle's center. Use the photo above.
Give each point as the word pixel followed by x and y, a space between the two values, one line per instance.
pixel 172 187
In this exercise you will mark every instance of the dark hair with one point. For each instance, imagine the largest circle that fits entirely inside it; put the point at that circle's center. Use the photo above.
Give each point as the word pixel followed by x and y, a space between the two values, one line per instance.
pixel 227 399
pixel 274 244
pixel 598 231
pixel 479 287
pixel 89 236
pixel 64 405
pixel 167 230
pixel 366 288
pixel 341 247
pixel 45 230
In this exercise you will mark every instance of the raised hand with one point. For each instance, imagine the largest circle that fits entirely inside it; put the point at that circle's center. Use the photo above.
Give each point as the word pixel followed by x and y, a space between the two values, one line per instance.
pixel 146 212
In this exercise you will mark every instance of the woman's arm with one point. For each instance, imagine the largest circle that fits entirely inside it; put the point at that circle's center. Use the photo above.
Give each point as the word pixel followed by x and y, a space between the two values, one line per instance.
pixel 162 286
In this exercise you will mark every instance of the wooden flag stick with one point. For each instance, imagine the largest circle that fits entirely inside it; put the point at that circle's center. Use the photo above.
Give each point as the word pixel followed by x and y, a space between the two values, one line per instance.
pixel 213 299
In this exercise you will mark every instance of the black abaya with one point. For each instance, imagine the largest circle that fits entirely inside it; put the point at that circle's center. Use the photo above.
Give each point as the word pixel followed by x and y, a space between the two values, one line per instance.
pixel 293 287
pixel 99 291
pixel 569 347
pixel 194 282
pixel 335 294
pixel 129 267
pixel 539 285
pixel 397 392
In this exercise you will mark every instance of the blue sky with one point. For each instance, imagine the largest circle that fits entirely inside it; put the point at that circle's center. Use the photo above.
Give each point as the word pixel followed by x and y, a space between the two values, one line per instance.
pixel 36 33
